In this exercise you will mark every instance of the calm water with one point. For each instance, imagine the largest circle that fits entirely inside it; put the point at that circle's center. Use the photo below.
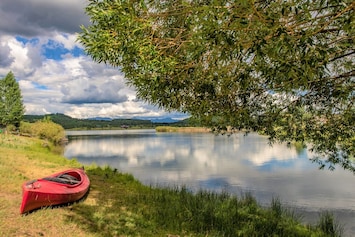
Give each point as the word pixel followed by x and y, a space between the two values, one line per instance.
pixel 237 164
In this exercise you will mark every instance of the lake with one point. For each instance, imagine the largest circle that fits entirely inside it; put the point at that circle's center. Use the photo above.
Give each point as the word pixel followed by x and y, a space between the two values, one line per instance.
pixel 237 164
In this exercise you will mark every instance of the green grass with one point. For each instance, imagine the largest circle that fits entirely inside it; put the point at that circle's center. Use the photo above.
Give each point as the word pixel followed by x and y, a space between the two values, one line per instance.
pixel 119 205
pixel 125 207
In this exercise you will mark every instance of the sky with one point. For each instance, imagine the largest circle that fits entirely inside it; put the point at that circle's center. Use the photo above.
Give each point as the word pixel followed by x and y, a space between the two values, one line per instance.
pixel 38 43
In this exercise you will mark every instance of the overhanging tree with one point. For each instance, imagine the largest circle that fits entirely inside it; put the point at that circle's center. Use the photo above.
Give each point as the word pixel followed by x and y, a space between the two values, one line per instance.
pixel 285 68
pixel 11 105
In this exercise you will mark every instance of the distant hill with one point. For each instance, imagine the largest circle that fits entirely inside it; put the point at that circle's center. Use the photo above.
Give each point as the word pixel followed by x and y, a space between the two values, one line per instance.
pixel 164 120
pixel 68 122
pixel 100 118
pixel 159 120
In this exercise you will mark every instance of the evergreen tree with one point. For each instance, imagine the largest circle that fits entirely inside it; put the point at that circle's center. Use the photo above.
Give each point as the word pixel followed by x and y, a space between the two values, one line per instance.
pixel 11 105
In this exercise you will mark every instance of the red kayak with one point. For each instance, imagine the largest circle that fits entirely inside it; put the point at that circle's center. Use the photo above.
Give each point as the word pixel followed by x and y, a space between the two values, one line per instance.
pixel 65 187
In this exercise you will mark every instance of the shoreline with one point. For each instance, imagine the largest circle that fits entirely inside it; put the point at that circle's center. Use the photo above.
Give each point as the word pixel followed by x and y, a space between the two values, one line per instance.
pixel 117 202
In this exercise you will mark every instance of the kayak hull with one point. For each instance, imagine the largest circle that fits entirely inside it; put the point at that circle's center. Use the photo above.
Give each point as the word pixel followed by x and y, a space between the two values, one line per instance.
pixel 64 187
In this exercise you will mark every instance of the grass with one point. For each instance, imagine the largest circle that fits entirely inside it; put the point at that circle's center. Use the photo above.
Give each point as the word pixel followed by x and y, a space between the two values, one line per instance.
pixel 119 205
pixel 23 159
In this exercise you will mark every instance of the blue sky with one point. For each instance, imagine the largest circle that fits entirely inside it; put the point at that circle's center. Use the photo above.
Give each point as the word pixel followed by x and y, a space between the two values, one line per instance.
pixel 38 44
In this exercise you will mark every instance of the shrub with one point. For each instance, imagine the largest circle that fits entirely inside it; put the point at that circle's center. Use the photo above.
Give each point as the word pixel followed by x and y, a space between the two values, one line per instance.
pixel 26 128
pixel 11 128
pixel 44 129
pixel 49 130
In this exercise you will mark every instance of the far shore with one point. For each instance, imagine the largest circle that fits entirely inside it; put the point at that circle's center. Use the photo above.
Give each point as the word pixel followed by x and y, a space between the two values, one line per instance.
pixel 182 129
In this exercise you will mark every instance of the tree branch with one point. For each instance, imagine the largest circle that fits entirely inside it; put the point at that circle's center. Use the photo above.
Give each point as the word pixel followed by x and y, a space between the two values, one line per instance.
pixel 342 56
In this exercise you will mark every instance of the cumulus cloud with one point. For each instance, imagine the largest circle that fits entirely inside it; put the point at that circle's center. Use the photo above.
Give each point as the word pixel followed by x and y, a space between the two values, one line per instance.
pixel 126 109
pixel 38 43
pixel 5 58
pixel 83 91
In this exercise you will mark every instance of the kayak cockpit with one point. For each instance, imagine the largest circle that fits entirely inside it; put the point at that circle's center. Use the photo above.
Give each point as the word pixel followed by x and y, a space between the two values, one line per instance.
pixel 71 178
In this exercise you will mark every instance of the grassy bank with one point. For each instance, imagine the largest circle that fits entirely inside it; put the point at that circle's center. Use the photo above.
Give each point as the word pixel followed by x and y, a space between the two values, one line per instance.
pixel 118 205
pixel 23 159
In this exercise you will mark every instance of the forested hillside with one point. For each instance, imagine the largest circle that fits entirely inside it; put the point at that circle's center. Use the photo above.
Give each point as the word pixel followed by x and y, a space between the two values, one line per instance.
pixel 71 123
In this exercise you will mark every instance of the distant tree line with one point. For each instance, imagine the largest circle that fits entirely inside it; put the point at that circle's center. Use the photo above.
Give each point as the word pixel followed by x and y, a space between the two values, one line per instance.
pixel 68 122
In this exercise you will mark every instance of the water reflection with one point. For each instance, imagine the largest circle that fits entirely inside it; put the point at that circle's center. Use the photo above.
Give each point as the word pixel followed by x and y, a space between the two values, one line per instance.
pixel 237 164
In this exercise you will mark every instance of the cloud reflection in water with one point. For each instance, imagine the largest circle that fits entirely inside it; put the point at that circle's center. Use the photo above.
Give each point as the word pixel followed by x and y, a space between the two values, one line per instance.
pixel 237 164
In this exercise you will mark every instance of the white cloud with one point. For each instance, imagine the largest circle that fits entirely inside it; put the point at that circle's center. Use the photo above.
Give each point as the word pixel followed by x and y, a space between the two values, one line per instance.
pixel 38 44
pixel 69 41
pixel 5 57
